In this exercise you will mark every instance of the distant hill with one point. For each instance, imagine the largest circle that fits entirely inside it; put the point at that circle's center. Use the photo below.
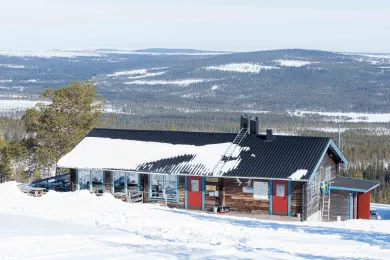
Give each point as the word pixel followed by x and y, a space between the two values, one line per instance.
pixel 275 80
pixel 165 50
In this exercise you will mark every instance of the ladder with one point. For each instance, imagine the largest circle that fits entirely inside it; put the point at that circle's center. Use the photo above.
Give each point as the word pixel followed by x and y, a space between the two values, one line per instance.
pixel 325 214
pixel 229 152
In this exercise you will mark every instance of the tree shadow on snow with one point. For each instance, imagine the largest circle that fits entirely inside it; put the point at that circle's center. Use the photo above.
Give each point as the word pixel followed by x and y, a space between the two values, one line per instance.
pixel 382 240
pixel 184 252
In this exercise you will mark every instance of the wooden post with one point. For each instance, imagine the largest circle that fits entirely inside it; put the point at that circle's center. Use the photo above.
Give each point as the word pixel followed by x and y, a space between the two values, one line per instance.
pixel 90 180
pixel 165 194
pixel 125 183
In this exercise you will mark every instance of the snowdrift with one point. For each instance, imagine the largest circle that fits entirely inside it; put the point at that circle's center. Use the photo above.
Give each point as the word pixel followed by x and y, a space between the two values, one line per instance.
pixel 89 226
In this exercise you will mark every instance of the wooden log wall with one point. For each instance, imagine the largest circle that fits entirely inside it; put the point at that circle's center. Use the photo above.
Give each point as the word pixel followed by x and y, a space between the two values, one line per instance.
pixel 212 185
pixel 239 201
pixel 313 204
pixel 107 179
pixel 296 198
pixel 325 163
pixel 72 179
pixel 339 205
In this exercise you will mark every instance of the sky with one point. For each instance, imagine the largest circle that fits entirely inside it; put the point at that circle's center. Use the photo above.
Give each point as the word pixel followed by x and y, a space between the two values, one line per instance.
pixel 227 25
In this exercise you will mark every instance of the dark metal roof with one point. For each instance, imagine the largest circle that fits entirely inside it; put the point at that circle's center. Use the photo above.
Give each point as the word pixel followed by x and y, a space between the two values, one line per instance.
pixel 171 137
pixel 274 159
pixel 280 157
pixel 353 184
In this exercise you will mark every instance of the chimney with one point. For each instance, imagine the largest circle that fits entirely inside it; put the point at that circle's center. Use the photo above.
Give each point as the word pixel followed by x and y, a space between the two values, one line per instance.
pixel 254 126
pixel 244 122
pixel 269 135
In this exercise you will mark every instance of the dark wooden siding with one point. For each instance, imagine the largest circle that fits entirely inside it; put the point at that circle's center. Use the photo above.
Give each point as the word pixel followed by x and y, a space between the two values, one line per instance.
pixel 296 198
pixel 72 179
pixel 313 204
pixel 325 163
pixel 107 179
pixel 239 201
pixel 339 205
pixel 210 201
pixel 144 184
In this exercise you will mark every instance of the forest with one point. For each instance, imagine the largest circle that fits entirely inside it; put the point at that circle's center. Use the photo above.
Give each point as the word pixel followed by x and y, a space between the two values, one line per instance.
pixel 366 145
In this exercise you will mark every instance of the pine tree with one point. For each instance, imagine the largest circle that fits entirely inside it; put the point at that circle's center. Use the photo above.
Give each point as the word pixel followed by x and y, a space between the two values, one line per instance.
pixel 5 163
pixel 54 129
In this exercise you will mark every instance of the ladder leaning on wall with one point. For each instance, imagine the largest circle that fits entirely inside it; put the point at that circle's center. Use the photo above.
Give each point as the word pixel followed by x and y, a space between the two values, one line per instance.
pixel 325 212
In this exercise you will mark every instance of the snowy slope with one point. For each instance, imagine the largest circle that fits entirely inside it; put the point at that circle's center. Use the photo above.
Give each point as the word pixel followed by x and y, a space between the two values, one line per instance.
pixel 81 226
pixel 382 210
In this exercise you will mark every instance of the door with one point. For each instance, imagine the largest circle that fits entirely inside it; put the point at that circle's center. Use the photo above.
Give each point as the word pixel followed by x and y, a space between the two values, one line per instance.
pixel 279 198
pixel 194 193
pixel 363 210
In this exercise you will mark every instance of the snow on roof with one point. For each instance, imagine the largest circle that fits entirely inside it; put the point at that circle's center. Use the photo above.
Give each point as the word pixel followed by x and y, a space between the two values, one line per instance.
pixel 106 153
pixel 298 175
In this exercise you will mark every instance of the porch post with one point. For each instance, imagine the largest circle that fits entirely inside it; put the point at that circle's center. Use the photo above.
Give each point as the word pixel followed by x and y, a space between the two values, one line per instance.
pixel 125 183
pixel 186 192
pixel 270 197
pixel 289 197
pixel 90 180
pixel 77 180
pixel 203 191
pixel 112 187
pixel 351 205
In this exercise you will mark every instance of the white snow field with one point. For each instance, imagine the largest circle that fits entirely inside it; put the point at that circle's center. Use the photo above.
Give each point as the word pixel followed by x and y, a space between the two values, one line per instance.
pixel 349 116
pixel 183 82
pixel 80 225
pixel 17 104
pixel 292 63
pixel 241 67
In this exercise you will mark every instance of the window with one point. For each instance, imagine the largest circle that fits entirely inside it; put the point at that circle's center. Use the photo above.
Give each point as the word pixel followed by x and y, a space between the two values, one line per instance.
pixel 132 180
pixel 125 181
pixel 119 181
pixel 280 190
pixel 328 173
pixel 84 177
pixel 97 181
pixel 260 190
pixel 157 183
pixel 315 185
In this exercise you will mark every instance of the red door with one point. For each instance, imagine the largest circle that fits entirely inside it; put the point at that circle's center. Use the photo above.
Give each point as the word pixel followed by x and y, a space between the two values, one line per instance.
pixel 279 198
pixel 364 205
pixel 194 193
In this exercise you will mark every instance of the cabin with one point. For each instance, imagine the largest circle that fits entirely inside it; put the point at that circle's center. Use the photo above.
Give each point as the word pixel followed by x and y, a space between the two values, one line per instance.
pixel 267 174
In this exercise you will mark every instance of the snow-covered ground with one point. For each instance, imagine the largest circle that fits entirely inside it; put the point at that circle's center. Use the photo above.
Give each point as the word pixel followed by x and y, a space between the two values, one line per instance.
pixel 241 67
pixel 292 63
pixel 12 66
pixel 17 104
pixel 138 73
pixel 183 82
pixel 382 210
pixel 350 116
pixel 82 226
